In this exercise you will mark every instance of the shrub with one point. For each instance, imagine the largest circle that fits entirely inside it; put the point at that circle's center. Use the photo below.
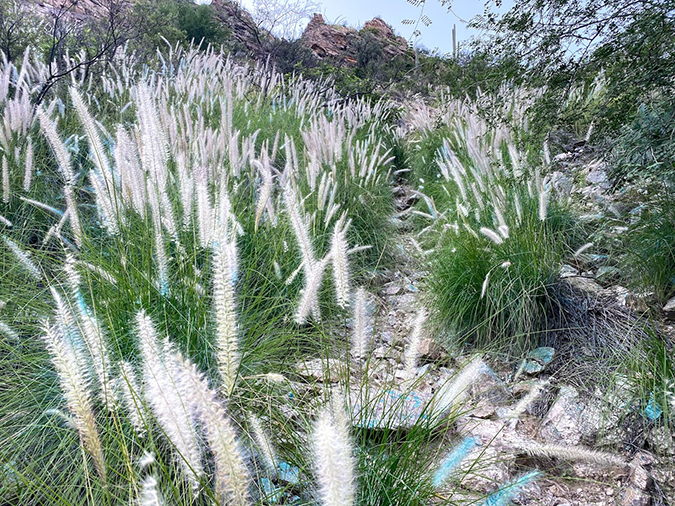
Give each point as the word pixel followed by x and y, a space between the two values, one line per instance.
pixel 645 149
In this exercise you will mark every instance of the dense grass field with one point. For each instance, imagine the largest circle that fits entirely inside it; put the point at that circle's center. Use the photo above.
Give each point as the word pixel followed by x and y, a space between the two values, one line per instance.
pixel 178 236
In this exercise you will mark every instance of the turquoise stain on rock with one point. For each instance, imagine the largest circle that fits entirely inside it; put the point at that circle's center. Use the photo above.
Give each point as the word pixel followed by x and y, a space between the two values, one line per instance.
pixel 452 461
pixel 653 409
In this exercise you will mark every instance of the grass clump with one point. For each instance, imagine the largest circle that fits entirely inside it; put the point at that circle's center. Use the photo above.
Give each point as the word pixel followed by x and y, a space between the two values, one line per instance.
pixel 494 235
pixel 648 259
pixel 497 295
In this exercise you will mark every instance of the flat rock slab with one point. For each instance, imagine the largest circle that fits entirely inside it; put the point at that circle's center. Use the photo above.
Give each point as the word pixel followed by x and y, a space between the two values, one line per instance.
pixel 393 409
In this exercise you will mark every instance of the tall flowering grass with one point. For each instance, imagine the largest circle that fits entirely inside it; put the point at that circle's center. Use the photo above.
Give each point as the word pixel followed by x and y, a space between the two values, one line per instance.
pixel 488 225
pixel 189 231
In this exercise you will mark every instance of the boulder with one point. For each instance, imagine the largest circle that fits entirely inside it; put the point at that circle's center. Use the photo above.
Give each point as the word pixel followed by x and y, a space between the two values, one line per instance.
pixel 669 309
pixel 569 421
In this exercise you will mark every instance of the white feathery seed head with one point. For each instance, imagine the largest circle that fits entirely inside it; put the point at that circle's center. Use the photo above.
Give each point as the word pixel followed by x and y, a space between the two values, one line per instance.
pixel 263 443
pixel 28 168
pixel 574 453
pixel 6 190
pixel 62 156
pixel 309 300
pixel 339 251
pixel 95 341
pixel 333 460
pixel 452 393
pixel 148 494
pixel 231 475
pixel 360 338
pixel 147 459
pixel 492 235
pixel 23 258
pixel 77 392
pixel 129 393
pixel 543 204
pixel 412 350
pixel 73 215
pixel 224 306
pixel 265 172
pixel 99 156
pixel 300 227
pixel 484 288
pixel 582 249
pixel 168 399
pixel 8 331
pixel 528 399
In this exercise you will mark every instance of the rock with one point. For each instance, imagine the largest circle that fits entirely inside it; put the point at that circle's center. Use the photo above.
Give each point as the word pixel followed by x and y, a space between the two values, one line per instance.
pixel 486 475
pixel 488 386
pixel 537 360
pixel 561 183
pixel 567 271
pixel 429 350
pixel 561 424
pixel 421 371
pixel 640 478
pixel 484 409
pixel 381 352
pixel 341 43
pixel 392 289
pixel 643 459
pixel 639 301
pixel 607 273
pixel 620 294
pixel 406 302
pixel 243 26
pixel 587 285
pixel 532 367
pixel 662 441
pixel 375 408
pixel 387 336
pixel 618 230
pixel 597 259
pixel 597 175
pixel 288 473
pixel 562 156
pixel 619 209
pixel 632 496
pixel 669 309
pixel 637 211
pixel 329 371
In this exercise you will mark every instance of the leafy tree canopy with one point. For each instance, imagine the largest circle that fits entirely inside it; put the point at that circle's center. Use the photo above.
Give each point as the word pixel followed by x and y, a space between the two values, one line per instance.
pixel 566 43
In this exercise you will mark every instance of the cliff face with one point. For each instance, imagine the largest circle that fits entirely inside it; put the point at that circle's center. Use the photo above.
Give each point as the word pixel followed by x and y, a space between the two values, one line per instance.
pixel 341 43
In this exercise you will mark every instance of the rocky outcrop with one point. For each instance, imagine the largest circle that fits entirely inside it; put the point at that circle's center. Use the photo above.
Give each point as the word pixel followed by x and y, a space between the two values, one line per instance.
pixel 243 27
pixel 394 45
pixel 342 43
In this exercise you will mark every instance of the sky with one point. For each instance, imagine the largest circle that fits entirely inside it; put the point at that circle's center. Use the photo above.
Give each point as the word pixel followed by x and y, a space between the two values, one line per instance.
pixel 438 35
